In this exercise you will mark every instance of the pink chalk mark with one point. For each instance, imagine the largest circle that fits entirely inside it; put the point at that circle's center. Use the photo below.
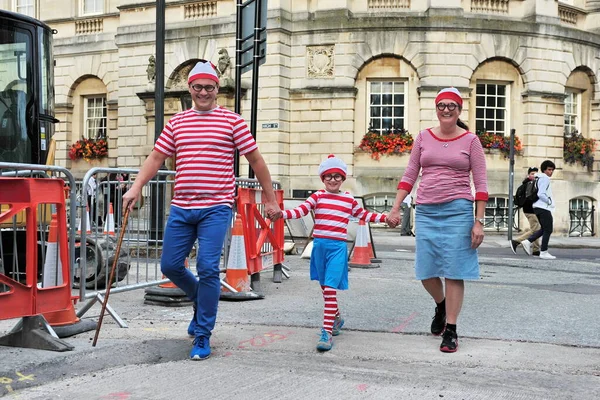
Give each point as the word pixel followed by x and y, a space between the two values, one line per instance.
pixel 362 387
pixel 119 395
pixel 405 323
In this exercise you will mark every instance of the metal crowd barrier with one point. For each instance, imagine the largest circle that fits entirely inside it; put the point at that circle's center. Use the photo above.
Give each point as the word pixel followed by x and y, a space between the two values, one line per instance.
pixel 92 244
pixel 139 260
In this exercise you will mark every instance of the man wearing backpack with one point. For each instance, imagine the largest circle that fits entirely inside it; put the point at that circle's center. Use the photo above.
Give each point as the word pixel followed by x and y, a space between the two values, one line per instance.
pixel 527 206
pixel 543 208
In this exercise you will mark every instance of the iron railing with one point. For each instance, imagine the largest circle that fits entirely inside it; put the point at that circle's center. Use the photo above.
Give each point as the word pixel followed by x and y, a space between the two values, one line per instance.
pixel 582 221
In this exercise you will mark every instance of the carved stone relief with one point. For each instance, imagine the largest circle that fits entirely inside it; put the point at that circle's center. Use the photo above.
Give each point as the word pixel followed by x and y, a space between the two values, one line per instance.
pixel 179 80
pixel 320 61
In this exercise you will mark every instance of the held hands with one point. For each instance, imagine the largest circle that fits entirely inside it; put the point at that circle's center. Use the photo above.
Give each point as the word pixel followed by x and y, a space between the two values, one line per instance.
pixel 393 219
pixel 273 211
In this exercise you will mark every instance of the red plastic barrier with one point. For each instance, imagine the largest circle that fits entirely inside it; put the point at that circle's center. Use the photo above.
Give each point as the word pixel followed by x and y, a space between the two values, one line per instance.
pixel 263 239
pixel 24 300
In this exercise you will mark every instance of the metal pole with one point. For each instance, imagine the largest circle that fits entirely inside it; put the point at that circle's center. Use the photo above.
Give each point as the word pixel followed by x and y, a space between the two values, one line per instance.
pixel 159 94
pixel 157 195
pixel 238 75
pixel 255 66
pixel 511 177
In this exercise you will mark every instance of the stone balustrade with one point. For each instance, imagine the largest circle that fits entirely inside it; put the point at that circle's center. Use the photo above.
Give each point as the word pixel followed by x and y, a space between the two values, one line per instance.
pixel 205 9
pixel 568 15
pixel 490 6
pixel 88 26
pixel 388 4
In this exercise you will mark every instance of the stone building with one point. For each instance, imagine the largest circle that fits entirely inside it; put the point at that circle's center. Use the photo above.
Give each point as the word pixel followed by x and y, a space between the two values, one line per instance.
pixel 333 69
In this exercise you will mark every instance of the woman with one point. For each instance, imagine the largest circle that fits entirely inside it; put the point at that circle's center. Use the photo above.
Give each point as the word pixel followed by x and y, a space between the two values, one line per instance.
pixel 447 233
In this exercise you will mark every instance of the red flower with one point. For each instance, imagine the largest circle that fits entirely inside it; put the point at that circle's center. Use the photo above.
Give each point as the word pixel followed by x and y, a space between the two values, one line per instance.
pixel 88 149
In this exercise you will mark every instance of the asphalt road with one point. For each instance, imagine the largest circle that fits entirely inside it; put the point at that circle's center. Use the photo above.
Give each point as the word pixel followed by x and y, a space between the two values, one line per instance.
pixel 527 331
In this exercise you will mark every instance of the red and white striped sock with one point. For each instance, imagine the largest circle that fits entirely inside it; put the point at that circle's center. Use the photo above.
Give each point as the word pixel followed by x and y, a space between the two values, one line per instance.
pixel 331 308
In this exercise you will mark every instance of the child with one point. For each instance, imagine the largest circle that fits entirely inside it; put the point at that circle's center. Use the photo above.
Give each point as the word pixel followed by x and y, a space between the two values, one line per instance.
pixel 329 259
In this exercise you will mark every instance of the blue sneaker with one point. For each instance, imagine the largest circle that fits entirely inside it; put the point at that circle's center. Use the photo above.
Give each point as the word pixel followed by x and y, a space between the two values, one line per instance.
pixel 325 343
pixel 201 349
pixel 337 325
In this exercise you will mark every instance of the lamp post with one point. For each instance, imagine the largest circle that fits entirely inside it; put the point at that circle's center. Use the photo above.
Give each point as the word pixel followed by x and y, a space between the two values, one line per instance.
pixel 157 192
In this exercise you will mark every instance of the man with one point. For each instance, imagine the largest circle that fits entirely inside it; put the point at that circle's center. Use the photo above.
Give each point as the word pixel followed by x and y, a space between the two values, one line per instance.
pixel 543 208
pixel 91 202
pixel 203 140
pixel 406 214
pixel 534 225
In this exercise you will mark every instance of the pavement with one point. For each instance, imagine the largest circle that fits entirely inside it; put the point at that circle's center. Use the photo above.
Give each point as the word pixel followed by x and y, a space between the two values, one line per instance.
pixel 500 240
pixel 527 331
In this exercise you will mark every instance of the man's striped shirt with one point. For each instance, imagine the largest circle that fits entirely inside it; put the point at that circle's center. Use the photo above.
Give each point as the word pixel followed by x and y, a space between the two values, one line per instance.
pixel 204 144
pixel 332 213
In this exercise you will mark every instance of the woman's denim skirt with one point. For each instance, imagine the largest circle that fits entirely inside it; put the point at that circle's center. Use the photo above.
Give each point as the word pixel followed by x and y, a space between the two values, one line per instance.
pixel 443 241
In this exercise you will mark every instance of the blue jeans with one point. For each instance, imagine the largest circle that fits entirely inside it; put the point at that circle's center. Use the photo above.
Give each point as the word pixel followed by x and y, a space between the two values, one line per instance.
pixel 209 226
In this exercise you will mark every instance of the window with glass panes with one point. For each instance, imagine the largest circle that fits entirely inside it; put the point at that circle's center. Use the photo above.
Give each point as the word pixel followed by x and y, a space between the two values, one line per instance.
pixel 26 7
pixel 386 106
pixel 581 216
pixel 491 109
pixel 571 113
pixel 95 117
pixel 93 6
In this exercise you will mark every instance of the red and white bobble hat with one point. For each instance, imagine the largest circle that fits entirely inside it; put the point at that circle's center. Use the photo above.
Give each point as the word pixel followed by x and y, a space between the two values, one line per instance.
pixel 203 70
pixel 332 165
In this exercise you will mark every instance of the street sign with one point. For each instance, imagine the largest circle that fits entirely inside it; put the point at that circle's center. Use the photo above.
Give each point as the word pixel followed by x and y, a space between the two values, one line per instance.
pixel 271 125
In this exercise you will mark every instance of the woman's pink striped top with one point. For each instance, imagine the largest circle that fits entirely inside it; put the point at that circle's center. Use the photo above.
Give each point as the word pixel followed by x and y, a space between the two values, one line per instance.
pixel 446 167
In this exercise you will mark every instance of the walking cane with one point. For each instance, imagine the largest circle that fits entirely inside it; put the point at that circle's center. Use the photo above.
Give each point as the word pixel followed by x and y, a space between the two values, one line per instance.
pixel 112 274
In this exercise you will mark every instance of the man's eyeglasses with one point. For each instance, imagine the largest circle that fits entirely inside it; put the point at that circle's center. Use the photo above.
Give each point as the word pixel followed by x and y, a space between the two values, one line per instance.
pixel 443 106
pixel 198 88
pixel 335 177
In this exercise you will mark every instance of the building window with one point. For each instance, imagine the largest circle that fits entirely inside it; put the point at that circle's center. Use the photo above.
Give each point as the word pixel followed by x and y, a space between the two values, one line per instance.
pixel 386 106
pixel 491 110
pixel 95 117
pixel 92 7
pixel 26 7
pixel 497 215
pixel 581 215
pixel 572 113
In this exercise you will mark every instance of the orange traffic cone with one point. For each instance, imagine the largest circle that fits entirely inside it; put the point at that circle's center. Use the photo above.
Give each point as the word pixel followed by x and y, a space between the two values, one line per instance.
pixel 371 249
pixel 361 257
pixel 66 320
pixel 171 284
pixel 167 294
pixel 52 272
pixel 109 224
pixel 88 224
pixel 236 274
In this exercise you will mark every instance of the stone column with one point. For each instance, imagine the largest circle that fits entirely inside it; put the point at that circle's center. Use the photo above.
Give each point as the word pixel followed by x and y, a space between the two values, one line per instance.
pixel 543 122
pixel 64 113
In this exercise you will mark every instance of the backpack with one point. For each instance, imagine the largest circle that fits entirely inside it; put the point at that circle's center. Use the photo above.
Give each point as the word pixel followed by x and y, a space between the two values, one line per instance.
pixel 531 190
pixel 520 196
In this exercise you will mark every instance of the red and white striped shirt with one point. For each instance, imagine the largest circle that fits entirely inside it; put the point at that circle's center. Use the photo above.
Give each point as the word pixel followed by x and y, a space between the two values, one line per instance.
pixel 332 213
pixel 204 144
